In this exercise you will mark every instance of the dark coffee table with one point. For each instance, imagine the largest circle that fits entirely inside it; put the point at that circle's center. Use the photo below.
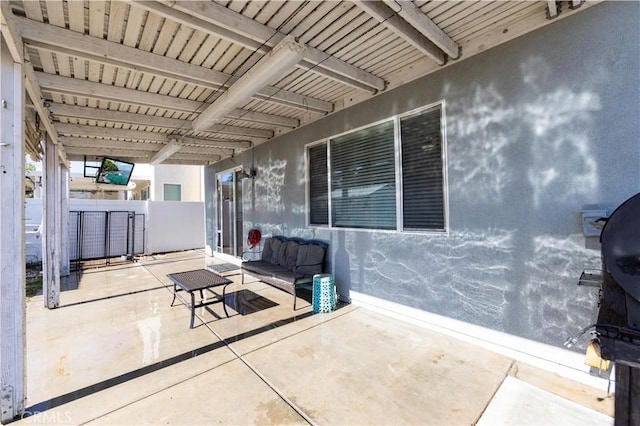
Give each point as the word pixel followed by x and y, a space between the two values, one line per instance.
pixel 198 280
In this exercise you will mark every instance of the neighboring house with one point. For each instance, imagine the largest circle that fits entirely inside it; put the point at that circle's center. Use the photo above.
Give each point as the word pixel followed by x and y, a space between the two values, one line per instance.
pixel 157 183
pixel 176 183
pixel 500 154
pixel 87 189
pixel 171 183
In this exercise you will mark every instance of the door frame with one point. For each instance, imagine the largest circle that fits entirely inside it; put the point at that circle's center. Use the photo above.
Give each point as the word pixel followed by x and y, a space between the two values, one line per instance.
pixel 219 217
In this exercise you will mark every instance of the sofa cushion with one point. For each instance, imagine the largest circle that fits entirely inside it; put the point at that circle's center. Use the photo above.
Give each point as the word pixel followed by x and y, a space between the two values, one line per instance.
pixel 263 267
pixel 267 251
pixel 310 259
pixel 288 254
pixel 281 253
pixel 253 265
pixel 271 250
pixel 288 276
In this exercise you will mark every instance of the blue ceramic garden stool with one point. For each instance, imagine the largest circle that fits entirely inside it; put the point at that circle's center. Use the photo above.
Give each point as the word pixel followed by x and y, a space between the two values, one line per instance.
pixel 324 293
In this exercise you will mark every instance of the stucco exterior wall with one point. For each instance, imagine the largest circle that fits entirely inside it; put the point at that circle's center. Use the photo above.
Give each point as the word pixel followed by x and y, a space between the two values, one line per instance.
pixel 537 130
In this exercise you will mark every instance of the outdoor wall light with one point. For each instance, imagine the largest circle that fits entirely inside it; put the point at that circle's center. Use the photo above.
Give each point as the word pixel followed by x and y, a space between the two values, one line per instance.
pixel 244 174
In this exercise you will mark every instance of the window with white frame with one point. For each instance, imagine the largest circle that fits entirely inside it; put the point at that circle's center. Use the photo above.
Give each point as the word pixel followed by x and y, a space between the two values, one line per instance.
pixel 390 176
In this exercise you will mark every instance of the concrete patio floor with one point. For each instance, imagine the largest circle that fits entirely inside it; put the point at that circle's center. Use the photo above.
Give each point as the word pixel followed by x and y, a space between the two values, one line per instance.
pixel 116 352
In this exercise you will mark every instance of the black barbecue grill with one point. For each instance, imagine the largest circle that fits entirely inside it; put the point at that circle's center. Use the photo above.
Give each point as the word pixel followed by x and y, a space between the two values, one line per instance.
pixel 618 327
pixel 616 335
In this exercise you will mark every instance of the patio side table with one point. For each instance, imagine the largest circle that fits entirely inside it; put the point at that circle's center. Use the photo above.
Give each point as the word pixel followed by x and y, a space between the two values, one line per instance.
pixel 198 280
pixel 324 293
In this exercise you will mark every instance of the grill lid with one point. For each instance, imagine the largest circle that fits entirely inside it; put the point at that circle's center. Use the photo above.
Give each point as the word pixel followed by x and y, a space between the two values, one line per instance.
pixel 620 240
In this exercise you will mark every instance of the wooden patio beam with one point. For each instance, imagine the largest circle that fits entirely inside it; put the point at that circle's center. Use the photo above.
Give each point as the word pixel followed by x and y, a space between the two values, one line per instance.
pixel 165 152
pixel 88 113
pixel 216 19
pixel 421 22
pixel 552 9
pixel 135 156
pixel 77 142
pixel 59 40
pixel 222 147
pixel 200 142
pixel 99 91
pixel 387 17
pixel 139 156
pixel 15 42
pixel 110 132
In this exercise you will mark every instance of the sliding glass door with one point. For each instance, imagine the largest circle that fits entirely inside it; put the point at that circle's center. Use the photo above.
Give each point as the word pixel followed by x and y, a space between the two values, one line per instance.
pixel 229 213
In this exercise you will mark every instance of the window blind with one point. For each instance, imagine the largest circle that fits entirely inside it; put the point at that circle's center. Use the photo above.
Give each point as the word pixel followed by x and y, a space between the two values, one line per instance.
pixel 318 185
pixel 363 187
pixel 422 171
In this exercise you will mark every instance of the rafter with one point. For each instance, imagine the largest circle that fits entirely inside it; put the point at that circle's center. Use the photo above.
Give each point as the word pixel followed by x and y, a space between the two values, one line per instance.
pixel 552 9
pixel 387 17
pixel 201 157
pixel 82 157
pixel 270 67
pixel 87 113
pixel 78 142
pixel 165 152
pixel 181 158
pixel 185 162
pixel 99 91
pixel 248 132
pixel 260 117
pixel 209 151
pixel 107 132
pixel 15 44
pixel 110 152
pixel 421 22
pixel 191 146
pixel 98 114
pixel 213 18
pixel 199 142
pixel 10 32
pixel 59 40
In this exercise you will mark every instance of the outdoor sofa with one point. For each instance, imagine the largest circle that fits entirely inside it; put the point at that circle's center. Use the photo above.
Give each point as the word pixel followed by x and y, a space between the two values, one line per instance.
pixel 287 263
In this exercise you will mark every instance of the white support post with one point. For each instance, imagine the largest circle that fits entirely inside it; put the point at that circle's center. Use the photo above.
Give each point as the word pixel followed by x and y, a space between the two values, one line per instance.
pixel 50 257
pixel 58 214
pixel 12 257
pixel 64 220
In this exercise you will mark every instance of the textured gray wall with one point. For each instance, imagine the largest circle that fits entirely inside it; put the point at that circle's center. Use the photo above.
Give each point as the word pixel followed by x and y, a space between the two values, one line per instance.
pixel 537 129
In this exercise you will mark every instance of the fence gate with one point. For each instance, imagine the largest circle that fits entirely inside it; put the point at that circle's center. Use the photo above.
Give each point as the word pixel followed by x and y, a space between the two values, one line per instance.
pixel 105 234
